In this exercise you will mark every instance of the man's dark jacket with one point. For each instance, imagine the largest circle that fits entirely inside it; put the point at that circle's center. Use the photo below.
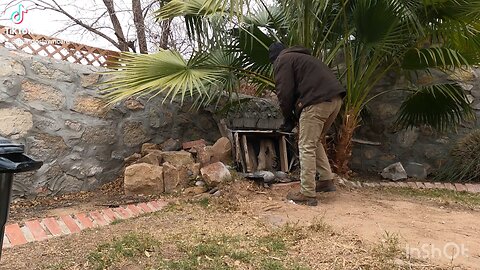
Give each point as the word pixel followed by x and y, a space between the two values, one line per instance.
pixel 302 80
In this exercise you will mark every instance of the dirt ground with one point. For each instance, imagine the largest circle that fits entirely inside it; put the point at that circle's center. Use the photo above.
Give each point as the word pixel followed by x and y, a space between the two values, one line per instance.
pixel 360 221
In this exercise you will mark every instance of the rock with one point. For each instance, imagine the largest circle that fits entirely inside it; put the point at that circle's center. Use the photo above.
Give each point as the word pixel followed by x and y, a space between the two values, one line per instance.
pixel 99 135
pixel 151 158
pixel 204 155
pixel 217 193
pixel 171 145
pixel 33 93
pixel 281 175
pixel 193 170
pixel 148 146
pixel 143 179
pixel 215 173
pixel 475 92
pixel 195 190
pixel 416 170
pixel 470 99
pixel 73 125
pixel 134 134
pixel 15 121
pixel 132 159
pixel 88 80
pixel 200 184
pixel 48 72
pixel 90 106
pixel 134 105
pixel 46 147
pixel 178 158
pixel 406 138
pixel 222 151
pixel 11 68
pixel 465 86
pixel 175 178
pixel 193 144
pixel 394 172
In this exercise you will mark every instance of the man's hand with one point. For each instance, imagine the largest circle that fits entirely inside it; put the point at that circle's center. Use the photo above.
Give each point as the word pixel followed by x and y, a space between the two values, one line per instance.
pixel 287 126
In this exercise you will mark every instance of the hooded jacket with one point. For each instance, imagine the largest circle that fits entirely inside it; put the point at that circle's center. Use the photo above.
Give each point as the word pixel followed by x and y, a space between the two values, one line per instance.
pixel 302 80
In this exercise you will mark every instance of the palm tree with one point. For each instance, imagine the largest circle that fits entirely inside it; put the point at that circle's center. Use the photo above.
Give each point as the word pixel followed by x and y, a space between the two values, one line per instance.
pixel 360 40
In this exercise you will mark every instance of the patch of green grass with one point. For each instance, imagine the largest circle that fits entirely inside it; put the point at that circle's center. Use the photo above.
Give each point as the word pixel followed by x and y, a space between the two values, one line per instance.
pixel 273 243
pixel 449 196
pixel 204 202
pixel 271 264
pixel 117 221
pixel 129 246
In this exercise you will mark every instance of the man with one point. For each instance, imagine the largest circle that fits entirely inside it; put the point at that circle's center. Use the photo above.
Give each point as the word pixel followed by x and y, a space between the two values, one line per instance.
pixel 309 93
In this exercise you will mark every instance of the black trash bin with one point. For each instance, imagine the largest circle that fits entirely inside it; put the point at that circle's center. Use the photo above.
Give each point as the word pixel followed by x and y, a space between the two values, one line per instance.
pixel 12 160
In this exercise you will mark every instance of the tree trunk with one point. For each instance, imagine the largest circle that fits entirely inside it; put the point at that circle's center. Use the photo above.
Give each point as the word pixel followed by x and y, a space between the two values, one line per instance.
pixel 139 25
pixel 343 150
pixel 166 30
pixel 117 27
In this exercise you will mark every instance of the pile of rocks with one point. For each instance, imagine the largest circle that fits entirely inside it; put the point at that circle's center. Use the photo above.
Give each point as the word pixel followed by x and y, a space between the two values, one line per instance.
pixel 172 167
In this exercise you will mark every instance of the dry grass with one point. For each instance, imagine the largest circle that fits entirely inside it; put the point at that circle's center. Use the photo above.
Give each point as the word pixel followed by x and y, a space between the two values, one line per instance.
pixel 222 233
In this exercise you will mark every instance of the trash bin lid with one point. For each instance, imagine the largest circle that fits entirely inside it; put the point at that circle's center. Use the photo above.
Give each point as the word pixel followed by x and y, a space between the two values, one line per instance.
pixel 8 147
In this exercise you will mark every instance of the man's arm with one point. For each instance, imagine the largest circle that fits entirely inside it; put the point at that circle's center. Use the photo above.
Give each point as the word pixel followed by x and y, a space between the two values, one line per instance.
pixel 285 88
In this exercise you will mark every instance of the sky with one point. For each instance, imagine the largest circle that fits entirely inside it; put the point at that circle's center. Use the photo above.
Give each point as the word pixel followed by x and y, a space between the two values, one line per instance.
pixel 47 22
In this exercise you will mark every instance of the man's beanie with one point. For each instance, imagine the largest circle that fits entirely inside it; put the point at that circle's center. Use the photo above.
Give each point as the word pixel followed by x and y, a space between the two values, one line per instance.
pixel 274 51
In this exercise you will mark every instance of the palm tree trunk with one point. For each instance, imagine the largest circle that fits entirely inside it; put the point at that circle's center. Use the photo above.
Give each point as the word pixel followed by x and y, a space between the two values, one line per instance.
pixel 343 149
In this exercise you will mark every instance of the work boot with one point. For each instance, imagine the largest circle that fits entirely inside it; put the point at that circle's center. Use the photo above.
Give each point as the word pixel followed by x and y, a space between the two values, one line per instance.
pixel 299 198
pixel 325 186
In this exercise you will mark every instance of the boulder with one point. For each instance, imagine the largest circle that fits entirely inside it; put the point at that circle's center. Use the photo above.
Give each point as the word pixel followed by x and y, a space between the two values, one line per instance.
pixel 175 178
pixel 151 158
pixel 222 151
pixel 394 172
pixel 193 144
pixel 178 157
pixel 171 145
pixel 416 170
pixel 204 155
pixel 148 146
pixel 215 173
pixel 144 179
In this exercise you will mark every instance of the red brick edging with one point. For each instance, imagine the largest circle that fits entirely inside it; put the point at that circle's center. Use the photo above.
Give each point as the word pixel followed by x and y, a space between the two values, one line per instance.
pixel 46 228
pixel 472 188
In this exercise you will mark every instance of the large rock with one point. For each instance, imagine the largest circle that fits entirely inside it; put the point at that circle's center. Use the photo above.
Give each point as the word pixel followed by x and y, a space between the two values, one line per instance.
pixel 406 138
pixel 88 80
pixel 151 158
pixel 49 72
pixel 90 106
pixel 394 172
pixel 134 134
pixel 175 178
pixel 178 158
pixel 15 122
pixel 204 155
pixel 193 144
pixel 48 96
pixel 99 135
pixel 416 170
pixel 222 150
pixel 171 145
pixel 215 173
pixel 11 68
pixel 143 179
pixel 148 146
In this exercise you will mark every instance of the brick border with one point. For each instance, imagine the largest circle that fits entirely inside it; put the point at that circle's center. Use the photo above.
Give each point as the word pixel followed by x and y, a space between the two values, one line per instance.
pixel 46 228
pixel 470 188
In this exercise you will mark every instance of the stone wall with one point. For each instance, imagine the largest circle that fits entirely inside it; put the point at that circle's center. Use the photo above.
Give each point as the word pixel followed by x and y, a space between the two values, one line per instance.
pixel 53 108
pixel 418 145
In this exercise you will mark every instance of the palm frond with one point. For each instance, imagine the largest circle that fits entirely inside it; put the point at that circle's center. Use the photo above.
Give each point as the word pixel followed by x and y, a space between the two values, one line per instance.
pixel 441 106
pixel 436 57
pixel 166 73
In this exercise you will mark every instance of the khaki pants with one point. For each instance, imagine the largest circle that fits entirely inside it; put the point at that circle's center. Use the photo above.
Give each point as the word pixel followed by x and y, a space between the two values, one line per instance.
pixel 315 120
